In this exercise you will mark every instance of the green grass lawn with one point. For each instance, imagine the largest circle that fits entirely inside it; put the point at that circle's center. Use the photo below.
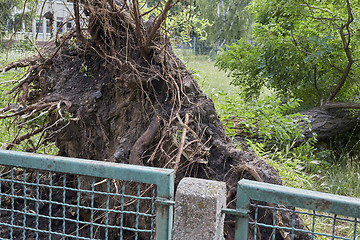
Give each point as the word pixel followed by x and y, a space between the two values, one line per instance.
pixel 208 76
pixel 213 82
pixel 6 83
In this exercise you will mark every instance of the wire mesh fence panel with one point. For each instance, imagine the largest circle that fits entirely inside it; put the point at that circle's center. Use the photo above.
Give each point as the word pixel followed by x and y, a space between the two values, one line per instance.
pixel 314 224
pixel 197 45
pixel 47 204
pixel 268 211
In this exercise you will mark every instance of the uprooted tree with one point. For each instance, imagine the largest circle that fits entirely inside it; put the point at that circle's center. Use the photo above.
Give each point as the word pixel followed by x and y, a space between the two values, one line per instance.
pixel 113 90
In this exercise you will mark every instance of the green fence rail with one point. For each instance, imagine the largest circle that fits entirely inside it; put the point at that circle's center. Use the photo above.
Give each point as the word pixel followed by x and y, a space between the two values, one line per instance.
pixel 51 197
pixel 327 216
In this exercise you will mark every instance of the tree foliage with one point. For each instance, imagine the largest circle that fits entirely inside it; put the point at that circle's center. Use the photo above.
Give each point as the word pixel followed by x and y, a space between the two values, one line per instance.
pixel 230 20
pixel 6 13
pixel 305 49
pixel 183 20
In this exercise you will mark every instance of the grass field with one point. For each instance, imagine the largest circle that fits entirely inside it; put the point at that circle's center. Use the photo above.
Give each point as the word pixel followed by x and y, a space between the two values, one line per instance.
pixel 208 76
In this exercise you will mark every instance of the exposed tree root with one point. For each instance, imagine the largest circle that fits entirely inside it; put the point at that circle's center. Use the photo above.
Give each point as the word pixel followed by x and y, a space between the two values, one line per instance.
pixel 21 63
pixel 28 110
pixel 24 137
pixel 144 140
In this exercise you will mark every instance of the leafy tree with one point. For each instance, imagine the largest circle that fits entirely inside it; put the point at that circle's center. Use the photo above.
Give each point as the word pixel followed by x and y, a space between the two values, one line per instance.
pixel 183 20
pixel 230 20
pixel 306 49
pixel 7 8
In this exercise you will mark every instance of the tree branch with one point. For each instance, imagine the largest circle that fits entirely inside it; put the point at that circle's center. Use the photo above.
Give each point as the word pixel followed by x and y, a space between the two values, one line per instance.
pixel 315 86
pixel 147 12
pixel 17 26
pixel 325 18
pixel 317 8
pixel 157 24
pixel 346 43
pixel 77 21
pixel 40 20
pixel 307 51
pixel 356 75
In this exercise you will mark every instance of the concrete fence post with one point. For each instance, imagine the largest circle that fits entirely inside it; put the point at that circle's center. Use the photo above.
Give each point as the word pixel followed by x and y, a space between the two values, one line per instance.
pixel 198 205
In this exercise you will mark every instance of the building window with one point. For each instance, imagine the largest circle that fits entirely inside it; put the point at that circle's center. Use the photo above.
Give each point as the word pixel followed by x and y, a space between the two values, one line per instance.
pixel 69 25
pixel 28 25
pixel 48 26
pixel 59 24
pixel 39 26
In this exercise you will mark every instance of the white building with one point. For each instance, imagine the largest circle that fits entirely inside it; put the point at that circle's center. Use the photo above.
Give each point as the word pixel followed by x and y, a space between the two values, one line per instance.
pixel 56 17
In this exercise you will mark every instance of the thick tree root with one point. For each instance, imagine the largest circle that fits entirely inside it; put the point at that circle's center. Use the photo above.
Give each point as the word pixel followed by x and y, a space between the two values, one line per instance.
pixel 144 140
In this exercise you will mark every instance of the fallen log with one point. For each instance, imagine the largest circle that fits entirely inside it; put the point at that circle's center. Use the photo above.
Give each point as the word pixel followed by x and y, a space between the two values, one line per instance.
pixel 328 123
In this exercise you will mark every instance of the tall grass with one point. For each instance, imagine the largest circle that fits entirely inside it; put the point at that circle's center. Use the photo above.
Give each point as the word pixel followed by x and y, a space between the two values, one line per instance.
pixel 341 178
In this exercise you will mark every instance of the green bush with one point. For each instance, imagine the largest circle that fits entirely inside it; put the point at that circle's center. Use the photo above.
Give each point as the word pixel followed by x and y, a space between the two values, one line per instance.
pixel 270 128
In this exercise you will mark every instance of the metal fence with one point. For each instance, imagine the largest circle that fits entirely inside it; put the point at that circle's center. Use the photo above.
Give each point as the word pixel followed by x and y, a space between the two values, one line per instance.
pixel 317 215
pixel 197 46
pixel 50 197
